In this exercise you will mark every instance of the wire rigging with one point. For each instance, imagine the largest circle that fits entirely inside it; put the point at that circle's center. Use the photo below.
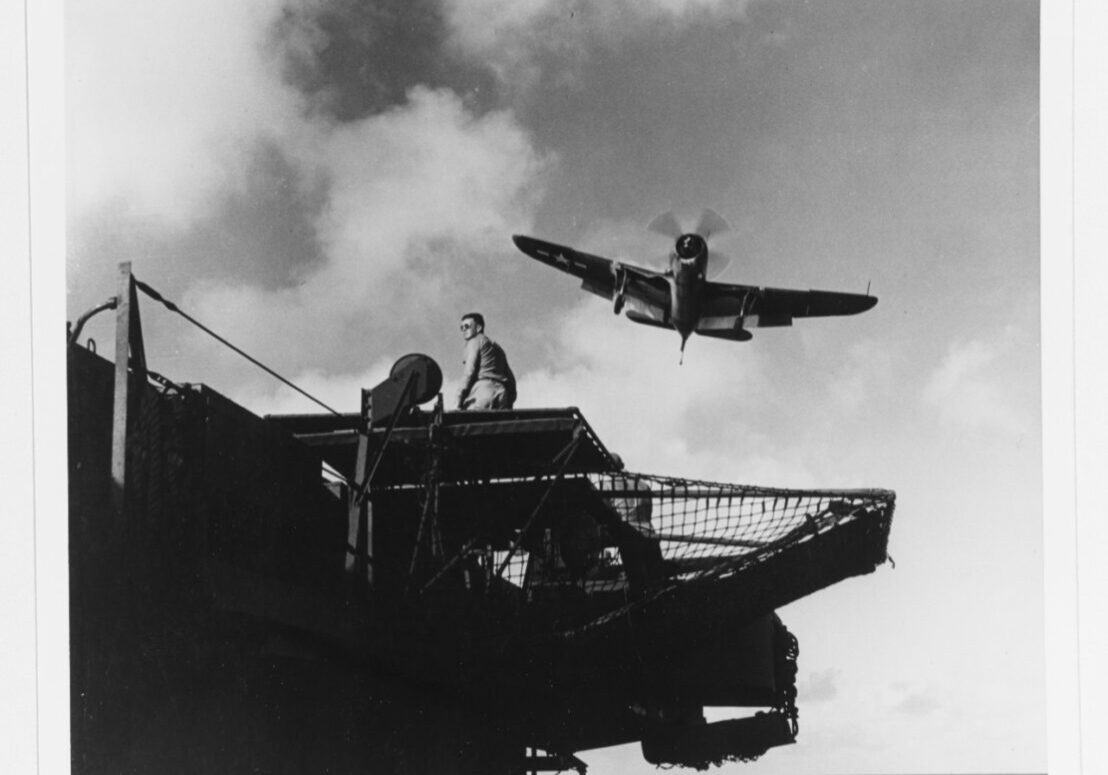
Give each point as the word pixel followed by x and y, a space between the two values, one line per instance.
pixel 153 294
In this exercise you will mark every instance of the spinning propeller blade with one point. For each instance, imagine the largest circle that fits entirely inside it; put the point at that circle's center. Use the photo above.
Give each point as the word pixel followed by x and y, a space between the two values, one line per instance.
pixel 717 264
pixel 710 223
pixel 666 224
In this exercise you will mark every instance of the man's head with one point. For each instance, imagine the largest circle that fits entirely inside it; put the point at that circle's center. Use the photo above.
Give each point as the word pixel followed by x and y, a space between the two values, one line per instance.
pixel 473 323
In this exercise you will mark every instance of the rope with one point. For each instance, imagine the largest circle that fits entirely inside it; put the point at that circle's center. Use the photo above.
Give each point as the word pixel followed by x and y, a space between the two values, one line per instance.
pixel 153 294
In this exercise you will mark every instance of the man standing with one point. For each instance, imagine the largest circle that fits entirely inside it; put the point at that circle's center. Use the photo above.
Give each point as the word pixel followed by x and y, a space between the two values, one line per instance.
pixel 487 380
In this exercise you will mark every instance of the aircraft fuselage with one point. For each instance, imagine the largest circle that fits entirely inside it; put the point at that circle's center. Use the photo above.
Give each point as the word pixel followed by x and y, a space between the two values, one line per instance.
pixel 687 267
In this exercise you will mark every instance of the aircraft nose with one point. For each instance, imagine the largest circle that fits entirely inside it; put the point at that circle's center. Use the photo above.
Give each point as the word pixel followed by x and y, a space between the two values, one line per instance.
pixel 689 246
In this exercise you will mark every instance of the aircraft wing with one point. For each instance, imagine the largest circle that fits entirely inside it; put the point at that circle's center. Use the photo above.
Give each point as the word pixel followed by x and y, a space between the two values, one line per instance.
pixel 599 275
pixel 730 307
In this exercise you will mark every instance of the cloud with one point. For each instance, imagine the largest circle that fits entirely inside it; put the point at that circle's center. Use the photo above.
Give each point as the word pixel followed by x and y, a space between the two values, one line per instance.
pixel 917 704
pixel 161 98
pixel 341 393
pixel 413 194
pixel 483 23
pixel 906 699
pixel 711 417
pixel 428 170
pixel 820 687
pixel 863 375
pixel 277 225
pixel 513 36
pixel 969 391
pixel 351 58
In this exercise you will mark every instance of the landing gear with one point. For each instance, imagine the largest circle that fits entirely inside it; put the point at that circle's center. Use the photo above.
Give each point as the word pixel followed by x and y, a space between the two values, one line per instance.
pixel 621 289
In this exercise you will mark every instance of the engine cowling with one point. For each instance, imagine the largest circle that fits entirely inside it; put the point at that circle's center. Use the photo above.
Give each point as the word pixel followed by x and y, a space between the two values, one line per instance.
pixel 690 246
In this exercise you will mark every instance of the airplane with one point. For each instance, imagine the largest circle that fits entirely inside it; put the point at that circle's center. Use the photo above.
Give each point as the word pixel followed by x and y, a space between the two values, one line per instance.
pixel 682 297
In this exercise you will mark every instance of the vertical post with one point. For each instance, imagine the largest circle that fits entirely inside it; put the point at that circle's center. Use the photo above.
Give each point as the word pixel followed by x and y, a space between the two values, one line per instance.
pixel 367 509
pixel 363 474
pixel 434 438
pixel 357 539
pixel 123 328
pixel 359 532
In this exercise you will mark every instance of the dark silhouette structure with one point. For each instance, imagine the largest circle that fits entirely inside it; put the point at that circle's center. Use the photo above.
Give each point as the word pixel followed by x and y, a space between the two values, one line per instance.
pixel 413 591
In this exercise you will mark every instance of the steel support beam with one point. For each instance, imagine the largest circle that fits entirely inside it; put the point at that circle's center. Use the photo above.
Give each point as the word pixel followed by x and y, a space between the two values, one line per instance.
pixel 359 542
pixel 129 351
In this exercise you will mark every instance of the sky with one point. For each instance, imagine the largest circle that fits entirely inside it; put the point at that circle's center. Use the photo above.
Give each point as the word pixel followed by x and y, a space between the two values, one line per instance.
pixel 331 184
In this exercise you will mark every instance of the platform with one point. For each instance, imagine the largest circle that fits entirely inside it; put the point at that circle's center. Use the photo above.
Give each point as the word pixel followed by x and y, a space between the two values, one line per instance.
pixel 478 445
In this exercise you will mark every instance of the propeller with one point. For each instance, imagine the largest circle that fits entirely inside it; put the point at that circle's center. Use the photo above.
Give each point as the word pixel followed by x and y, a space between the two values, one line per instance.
pixel 709 224
pixel 667 225
pixel 717 264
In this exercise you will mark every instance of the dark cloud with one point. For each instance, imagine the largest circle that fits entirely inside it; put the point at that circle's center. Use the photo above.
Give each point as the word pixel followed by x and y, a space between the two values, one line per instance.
pixel 267 231
pixel 354 59
pixel 262 234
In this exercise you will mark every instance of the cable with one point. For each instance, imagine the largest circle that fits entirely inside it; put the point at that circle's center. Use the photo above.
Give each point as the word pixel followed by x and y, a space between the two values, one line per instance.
pixel 174 308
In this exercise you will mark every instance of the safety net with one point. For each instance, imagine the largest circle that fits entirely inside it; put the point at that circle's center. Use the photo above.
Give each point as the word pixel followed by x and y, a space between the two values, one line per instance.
pixel 645 537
